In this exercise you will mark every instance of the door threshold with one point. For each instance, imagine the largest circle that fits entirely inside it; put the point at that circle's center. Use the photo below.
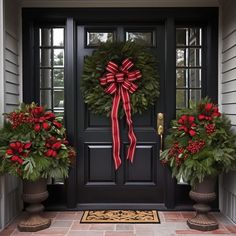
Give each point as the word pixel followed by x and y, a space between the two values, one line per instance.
pixel 107 206
pixel 119 206
pixel 123 206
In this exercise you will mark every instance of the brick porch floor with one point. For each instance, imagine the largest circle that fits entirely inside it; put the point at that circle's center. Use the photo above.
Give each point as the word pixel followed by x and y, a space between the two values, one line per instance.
pixel 172 223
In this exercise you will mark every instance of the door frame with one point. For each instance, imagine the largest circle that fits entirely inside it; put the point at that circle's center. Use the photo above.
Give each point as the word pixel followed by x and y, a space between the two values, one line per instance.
pixel 69 17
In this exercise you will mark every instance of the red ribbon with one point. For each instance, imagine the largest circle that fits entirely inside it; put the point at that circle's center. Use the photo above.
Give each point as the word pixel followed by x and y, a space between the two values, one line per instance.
pixel 119 82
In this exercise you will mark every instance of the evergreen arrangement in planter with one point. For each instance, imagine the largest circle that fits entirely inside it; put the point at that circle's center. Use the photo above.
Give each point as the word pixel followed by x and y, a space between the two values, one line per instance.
pixel 200 143
pixel 200 146
pixel 33 144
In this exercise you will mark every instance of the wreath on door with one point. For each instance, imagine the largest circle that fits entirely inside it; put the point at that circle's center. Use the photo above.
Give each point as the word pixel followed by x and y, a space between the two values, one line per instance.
pixel 95 67
pixel 115 72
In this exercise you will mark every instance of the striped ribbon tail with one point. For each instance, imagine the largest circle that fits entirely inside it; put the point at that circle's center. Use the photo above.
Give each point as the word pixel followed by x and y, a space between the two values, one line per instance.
pixel 115 129
pixel 132 137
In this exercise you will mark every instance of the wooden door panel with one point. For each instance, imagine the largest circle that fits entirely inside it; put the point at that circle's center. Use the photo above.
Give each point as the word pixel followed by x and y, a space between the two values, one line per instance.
pixel 97 157
pixel 144 120
pixel 97 121
pixel 142 170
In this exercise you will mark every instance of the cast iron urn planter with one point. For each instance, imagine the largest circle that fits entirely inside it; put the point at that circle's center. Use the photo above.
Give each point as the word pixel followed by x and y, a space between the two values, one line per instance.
pixel 33 194
pixel 203 193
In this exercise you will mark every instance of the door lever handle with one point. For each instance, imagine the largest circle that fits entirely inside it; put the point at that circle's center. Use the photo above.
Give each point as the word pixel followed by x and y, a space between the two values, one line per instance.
pixel 160 128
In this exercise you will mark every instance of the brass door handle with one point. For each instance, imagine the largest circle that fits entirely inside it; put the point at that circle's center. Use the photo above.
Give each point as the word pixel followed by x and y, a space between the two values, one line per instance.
pixel 160 128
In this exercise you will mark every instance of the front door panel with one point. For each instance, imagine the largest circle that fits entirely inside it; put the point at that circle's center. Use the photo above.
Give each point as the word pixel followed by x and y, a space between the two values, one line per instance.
pixel 98 182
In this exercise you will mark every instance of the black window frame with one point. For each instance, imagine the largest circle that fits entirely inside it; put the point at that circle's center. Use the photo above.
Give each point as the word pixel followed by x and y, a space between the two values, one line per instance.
pixel 52 67
pixel 203 68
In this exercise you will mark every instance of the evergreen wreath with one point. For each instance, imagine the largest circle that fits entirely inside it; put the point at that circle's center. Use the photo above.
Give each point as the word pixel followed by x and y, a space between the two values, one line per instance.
pixel 95 67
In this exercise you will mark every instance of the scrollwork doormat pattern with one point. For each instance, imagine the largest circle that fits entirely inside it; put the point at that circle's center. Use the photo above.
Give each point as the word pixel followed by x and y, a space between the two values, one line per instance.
pixel 121 216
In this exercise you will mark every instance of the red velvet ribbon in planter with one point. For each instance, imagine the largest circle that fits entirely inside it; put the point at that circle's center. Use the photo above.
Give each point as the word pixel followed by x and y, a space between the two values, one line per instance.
pixel 119 82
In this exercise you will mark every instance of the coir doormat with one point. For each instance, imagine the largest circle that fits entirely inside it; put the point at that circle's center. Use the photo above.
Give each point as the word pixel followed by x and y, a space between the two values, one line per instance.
pixel 121 216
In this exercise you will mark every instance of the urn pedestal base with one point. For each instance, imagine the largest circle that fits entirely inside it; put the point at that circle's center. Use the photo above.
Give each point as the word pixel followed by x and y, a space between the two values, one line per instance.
pixel 34 223
pixel 33 194
pixel 202 220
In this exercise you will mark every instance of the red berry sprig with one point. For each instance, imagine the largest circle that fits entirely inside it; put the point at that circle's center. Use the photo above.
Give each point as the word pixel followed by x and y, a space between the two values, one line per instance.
pixel 19 118
pixel 195 146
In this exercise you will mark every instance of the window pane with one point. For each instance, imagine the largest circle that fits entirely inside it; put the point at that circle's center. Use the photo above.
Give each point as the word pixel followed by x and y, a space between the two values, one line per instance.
pixel 58 37
pixel 181 57
pixel 195 78
pixel 181 98
pixel 45 78
pixel 45 37
pixel 59 112
pixel 194 57
pixel 51 52
pixel 181 78
pixel 144 38
pixel 181 36
pixel 195 36
pixel 195 94
pixel 189 56
pixel 58 57
pixel 45 57
pixel 96 38
pixel 58 181
pixel 58 77
pixel 58 99
pixel 45 98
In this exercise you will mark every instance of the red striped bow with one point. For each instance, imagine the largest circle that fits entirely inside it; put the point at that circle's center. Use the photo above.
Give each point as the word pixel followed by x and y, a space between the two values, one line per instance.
pixel 119 82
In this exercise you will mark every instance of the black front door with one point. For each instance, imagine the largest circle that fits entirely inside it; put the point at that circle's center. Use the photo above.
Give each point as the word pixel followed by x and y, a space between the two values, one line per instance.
pixel 98 182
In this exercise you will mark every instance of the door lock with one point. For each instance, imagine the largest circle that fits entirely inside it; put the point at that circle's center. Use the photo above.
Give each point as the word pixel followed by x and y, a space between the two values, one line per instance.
pixel 160 128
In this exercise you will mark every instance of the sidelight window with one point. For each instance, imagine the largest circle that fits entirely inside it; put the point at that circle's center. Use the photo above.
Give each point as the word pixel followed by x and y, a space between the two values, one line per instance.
pixel 188 66
pixel 51 61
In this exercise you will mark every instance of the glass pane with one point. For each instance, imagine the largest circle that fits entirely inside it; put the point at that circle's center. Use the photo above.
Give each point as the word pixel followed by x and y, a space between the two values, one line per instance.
pixel 45 57
pixel 195 78
pixel 59 112
pixel 181 57
pixel 58 37
pixel 96 38
pixel 45 78
pixel 181 98
pixel 45 37
pixel 58 99
pixel 181 36
pixel 45 98
pixel 181 78
pixel 58 181
pixel 195 36
pixel 195 57
pixel 144 38
pixel 58 78
pixel 58 57
pixel 195 94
